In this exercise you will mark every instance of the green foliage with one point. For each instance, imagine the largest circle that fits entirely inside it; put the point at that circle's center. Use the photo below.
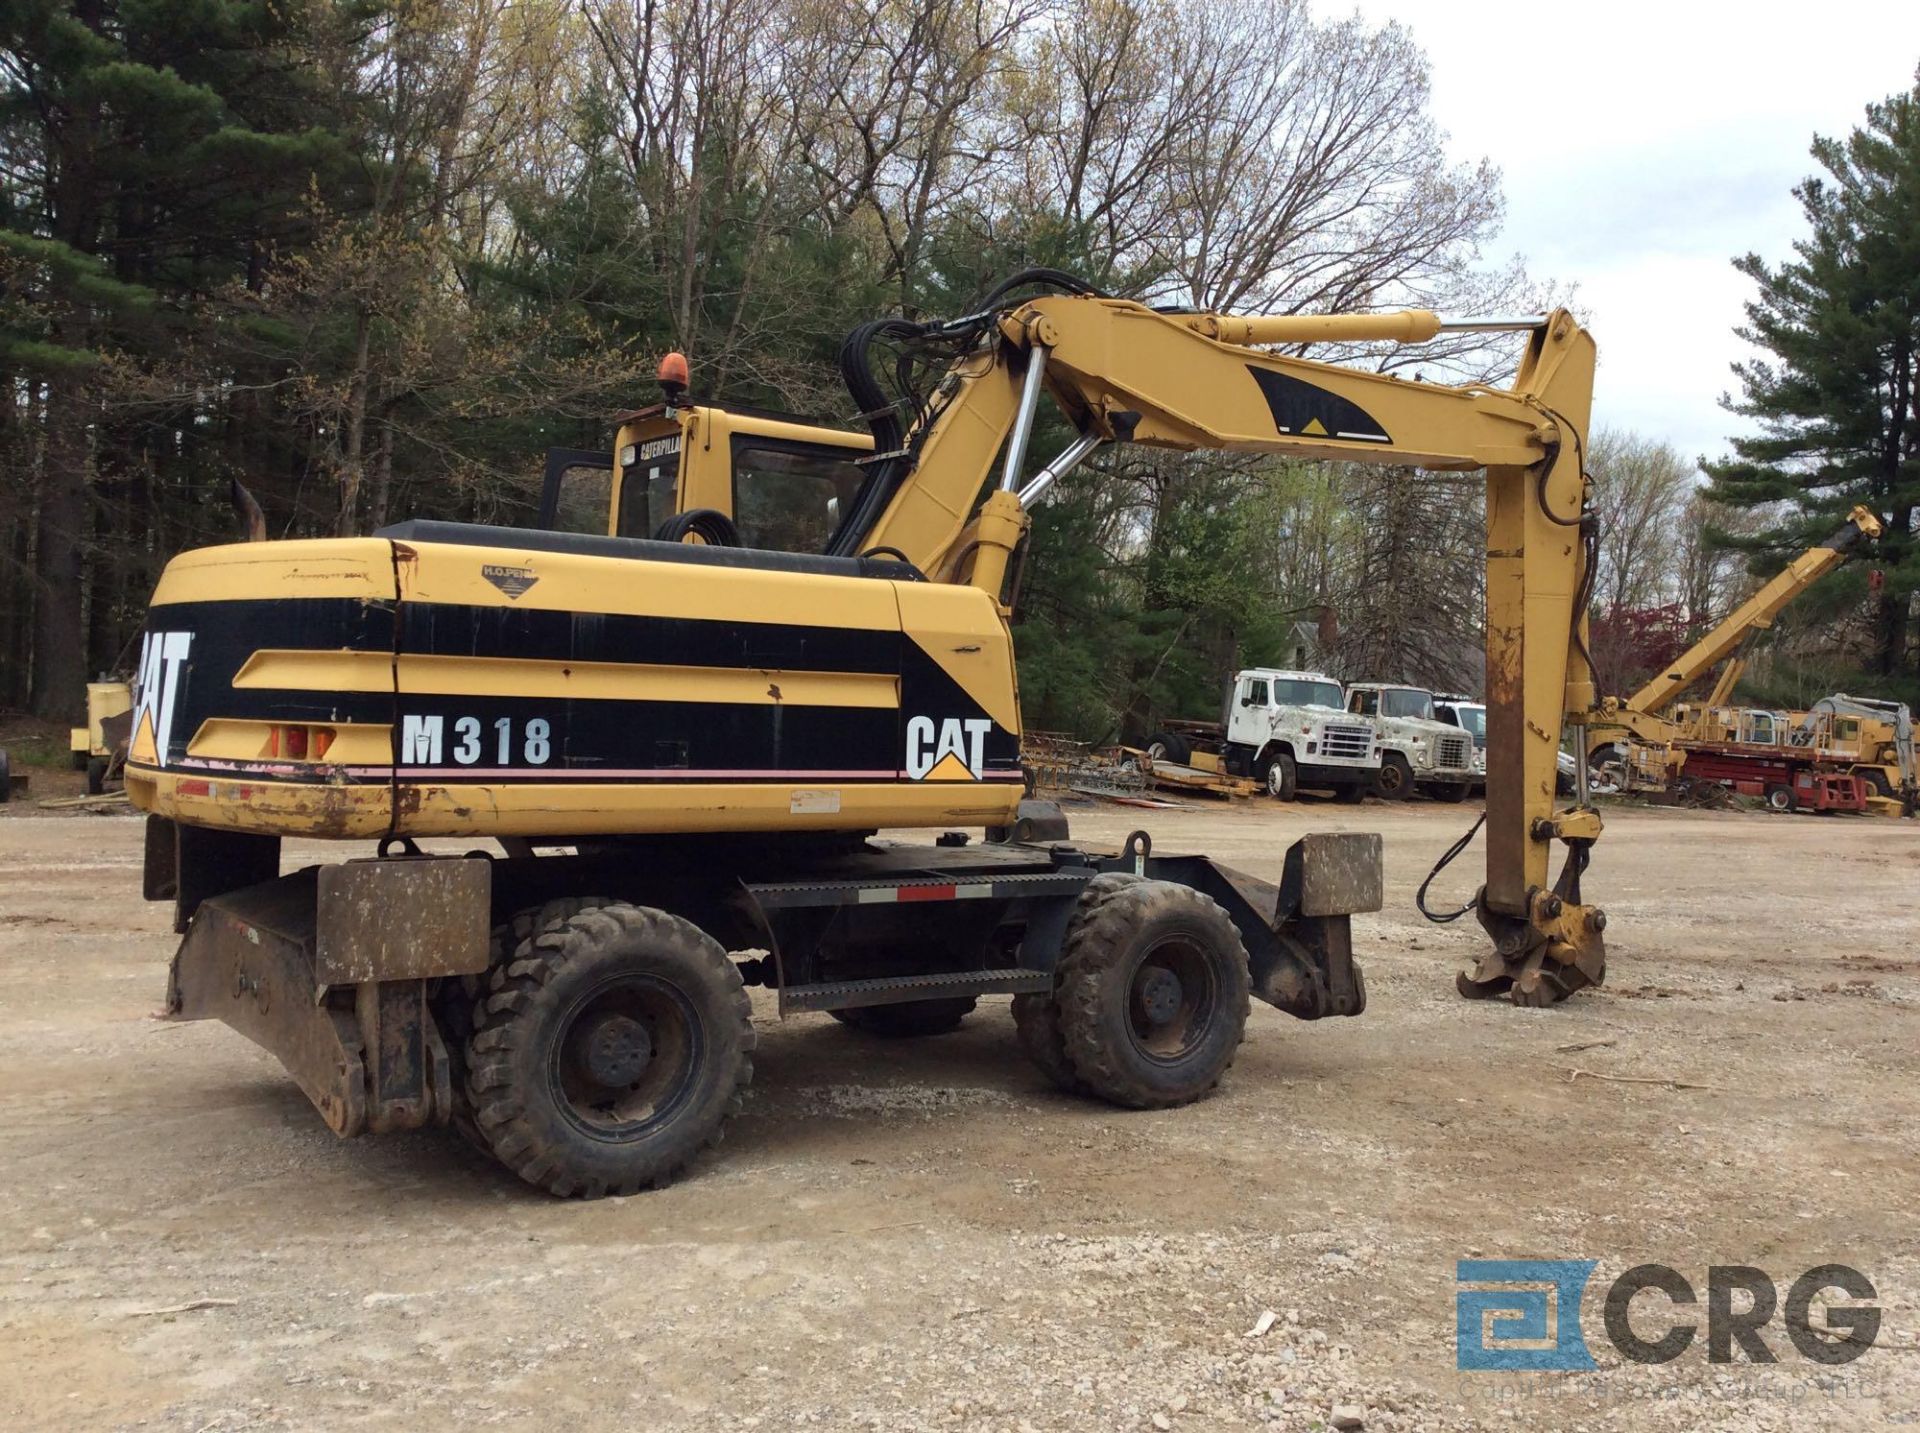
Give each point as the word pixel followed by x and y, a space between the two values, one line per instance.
pixel 1836 396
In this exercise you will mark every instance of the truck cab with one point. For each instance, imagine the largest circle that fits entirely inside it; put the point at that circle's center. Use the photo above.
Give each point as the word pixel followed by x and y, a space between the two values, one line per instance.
pixel 1417 751
pixel 1470 715
pixel 1288 727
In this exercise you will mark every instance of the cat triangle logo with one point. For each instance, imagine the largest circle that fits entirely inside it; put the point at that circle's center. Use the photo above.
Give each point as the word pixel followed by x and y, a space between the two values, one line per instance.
pixel 143 748
pixel 949 768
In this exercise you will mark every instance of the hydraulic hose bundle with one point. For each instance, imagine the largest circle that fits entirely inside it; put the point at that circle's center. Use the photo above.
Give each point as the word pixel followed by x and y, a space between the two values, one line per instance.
pixel 923 354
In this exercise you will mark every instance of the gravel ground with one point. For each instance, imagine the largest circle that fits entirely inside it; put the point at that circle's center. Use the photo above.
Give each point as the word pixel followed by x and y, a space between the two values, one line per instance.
pixel 927 1235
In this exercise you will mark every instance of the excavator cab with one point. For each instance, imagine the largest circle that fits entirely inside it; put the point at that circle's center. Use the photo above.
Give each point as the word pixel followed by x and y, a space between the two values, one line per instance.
pixel 709 473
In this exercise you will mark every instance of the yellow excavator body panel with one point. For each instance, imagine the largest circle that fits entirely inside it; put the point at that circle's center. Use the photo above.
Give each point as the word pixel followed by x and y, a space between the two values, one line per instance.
pixel 512 683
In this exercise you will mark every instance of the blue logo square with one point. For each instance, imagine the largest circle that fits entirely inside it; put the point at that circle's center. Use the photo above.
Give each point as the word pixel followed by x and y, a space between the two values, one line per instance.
pixel 1521 1315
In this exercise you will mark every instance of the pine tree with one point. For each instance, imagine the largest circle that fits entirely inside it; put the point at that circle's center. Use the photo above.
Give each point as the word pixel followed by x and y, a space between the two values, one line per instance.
pixel 157 150
pixel 1835 399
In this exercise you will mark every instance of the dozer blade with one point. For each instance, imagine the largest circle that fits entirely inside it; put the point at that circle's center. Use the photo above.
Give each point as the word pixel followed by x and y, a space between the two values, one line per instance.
pixel 327 969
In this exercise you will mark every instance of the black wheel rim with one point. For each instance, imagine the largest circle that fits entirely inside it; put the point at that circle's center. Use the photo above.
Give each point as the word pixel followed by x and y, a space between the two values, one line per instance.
pixel 626 1057
pixel 1171 1000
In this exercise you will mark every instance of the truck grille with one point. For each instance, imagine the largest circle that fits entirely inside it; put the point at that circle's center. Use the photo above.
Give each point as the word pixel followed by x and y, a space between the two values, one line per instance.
pixel 1346 743
pixel 1454 752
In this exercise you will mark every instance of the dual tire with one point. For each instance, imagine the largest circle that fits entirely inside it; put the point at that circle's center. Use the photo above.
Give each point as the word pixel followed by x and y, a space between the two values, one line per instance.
pixel 1150 998
pixel 607 1048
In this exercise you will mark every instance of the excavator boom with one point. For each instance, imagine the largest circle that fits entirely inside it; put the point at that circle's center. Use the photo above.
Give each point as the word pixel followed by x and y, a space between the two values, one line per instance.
pixel 1122 371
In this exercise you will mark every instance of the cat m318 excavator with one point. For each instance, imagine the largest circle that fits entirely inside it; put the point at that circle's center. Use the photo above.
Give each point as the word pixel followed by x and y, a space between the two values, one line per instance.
pixel 685 734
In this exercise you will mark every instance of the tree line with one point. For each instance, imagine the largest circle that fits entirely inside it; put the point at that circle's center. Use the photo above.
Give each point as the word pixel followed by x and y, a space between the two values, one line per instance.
pixel 371 257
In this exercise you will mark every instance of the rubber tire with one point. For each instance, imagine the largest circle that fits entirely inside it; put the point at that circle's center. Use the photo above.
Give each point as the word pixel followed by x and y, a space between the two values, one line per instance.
pixel 909 1018
pixel 527 997
pixel 1403 781
pixel 6 777
pixel 1173 747
pixel 78 759
pixel 1036 1018
pixel 1780 798
pixel 1282 777
pixel 460 1008
pixel 1451 791
pixel 1351 794
pixel 1104 947
pixel 96 775
pixel 1876 782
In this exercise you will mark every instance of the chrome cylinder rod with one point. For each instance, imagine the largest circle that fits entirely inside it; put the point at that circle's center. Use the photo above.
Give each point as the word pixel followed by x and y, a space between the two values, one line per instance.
pixel 1070 458
pixel 1023 418
pixel 1493 325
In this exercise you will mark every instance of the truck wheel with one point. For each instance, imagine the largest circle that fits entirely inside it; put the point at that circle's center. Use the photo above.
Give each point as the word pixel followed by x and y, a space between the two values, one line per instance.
pixel 1153 994
pixel 1452 790
pixel 1876 781
pixel 1394 782
pixel 96 775
pixel 616 1044
pixel 1780 798
pixel 6 777
pixel 1036 1018
pixel 78 759
pixel 1352 794
pixel 909 1017
pixel 1283 777
pixel 1169 746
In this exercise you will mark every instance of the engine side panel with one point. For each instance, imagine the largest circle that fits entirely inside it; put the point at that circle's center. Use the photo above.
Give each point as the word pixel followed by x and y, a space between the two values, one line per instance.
pixel 559 694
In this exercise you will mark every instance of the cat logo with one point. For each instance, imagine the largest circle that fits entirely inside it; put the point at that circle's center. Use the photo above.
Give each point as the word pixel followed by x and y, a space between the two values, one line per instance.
pixel 162 654
pixel 951 750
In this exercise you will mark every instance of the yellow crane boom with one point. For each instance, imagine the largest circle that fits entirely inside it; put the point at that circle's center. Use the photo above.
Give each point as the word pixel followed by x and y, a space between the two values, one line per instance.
pixel 1754 615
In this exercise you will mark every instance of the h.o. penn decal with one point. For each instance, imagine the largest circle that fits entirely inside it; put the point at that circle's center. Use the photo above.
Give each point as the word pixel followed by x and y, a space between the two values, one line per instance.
pixel 514 581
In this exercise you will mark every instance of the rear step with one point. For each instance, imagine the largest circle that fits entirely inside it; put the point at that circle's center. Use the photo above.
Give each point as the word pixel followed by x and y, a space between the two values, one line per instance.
pixel 845 994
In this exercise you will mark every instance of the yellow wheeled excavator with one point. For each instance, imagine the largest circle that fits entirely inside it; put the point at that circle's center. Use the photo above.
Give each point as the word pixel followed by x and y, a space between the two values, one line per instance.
pixel 685 740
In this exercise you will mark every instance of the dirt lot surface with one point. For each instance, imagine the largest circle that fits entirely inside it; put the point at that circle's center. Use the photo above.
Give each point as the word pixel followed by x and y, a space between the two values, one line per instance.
pixel 928 1235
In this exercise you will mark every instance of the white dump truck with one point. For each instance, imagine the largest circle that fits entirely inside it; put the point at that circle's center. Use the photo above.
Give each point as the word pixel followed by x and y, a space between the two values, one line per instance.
pixel 1285 729
pixel 1417 752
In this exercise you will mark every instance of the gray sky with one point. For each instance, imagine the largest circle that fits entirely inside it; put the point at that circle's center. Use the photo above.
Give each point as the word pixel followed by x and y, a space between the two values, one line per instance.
pixel 1643 146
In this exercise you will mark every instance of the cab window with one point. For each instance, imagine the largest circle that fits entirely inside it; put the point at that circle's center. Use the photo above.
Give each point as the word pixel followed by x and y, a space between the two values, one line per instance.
pixel 1402 702
pixel 649 479
pixel 1257 692
pixel 586 494
pixel 789 497
pixel 1365 704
